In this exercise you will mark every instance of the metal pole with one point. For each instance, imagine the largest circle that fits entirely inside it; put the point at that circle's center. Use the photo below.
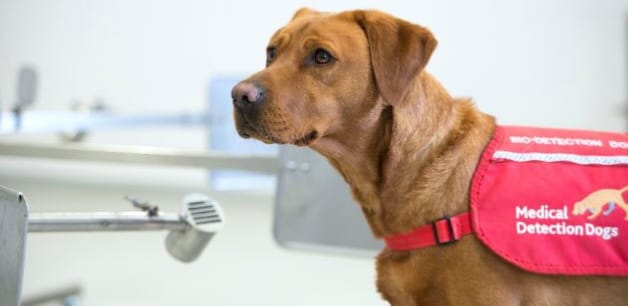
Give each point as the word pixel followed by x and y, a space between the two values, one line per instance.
pixel 104 221
pixel 55 296
pixel 142 155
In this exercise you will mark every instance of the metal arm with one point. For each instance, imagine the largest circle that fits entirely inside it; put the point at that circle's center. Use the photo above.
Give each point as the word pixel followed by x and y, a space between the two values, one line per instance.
pixel 104 221
pixel 188 232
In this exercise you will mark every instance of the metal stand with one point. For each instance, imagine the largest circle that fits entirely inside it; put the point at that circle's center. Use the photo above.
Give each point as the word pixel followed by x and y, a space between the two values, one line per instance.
pixel 13 227
pixel 189 232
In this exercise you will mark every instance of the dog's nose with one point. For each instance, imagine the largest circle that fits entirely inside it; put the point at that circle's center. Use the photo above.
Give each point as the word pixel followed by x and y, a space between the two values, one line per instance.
pixel 247 94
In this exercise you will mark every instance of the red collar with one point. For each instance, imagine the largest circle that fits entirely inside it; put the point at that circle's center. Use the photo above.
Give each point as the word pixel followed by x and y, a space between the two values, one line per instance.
pixel 440 232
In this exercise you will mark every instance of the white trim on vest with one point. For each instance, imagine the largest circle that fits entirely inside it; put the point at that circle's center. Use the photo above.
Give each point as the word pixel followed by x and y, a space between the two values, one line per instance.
pixel 607 160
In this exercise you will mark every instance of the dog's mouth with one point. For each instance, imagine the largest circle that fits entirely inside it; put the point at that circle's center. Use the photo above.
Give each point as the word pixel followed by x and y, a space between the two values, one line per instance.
pixel 248 129
pixel 307 139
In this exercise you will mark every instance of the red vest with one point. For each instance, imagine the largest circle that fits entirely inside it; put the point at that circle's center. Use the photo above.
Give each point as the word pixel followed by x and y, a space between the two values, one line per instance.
pixel 554 201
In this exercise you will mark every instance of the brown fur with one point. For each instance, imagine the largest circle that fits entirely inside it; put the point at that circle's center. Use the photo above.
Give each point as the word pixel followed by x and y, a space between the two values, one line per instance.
pixel 407 149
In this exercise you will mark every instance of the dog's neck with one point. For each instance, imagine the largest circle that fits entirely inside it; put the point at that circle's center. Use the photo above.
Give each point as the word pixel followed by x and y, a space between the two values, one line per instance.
pixel 410 164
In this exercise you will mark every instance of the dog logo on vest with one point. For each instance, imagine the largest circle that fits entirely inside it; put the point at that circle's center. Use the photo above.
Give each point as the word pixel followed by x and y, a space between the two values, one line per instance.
pixel 595 202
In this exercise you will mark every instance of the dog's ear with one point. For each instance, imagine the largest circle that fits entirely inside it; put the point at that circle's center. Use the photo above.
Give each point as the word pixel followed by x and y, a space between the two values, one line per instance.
pixel 399 51
pixel 304 11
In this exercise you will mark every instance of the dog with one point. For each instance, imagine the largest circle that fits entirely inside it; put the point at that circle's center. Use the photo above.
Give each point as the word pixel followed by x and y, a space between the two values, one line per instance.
pixel 598 199
pixel 351 86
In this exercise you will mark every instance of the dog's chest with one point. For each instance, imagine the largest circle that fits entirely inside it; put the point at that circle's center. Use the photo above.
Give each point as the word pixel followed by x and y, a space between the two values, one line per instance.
pixel 554 201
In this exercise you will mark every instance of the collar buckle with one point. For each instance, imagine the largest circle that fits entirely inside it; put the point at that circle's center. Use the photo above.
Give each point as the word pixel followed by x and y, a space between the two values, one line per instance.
pixel 450 228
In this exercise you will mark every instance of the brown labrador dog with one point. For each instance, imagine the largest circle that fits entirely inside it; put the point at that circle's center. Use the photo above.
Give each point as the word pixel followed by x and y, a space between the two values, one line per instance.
pixel 352 87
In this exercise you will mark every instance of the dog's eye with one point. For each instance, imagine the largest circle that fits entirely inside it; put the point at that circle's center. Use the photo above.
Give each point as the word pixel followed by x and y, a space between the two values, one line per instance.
pixel 322 57
pixel 271 53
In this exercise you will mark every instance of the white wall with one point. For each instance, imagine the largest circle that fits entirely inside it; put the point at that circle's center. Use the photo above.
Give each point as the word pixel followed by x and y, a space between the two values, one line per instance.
pixel 552 63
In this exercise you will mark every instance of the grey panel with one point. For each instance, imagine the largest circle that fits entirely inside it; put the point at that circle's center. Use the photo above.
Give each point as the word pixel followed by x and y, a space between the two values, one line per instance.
pixel 314 208
pixel 13 223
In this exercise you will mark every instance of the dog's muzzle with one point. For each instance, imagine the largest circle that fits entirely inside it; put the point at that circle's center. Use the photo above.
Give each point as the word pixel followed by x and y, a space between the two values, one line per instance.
pixel 247 96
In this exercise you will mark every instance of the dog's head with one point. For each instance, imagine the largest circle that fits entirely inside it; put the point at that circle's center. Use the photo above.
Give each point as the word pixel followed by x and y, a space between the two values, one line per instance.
pixel 325 72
